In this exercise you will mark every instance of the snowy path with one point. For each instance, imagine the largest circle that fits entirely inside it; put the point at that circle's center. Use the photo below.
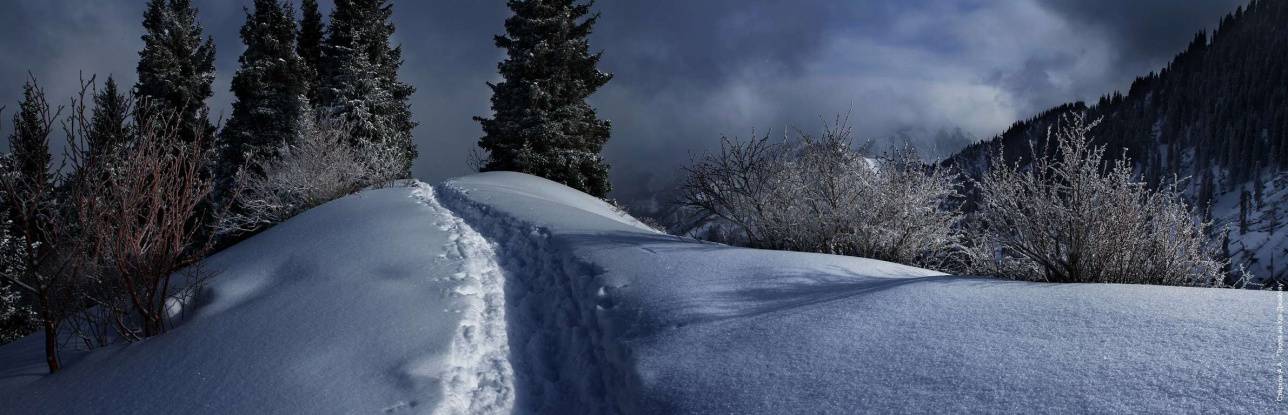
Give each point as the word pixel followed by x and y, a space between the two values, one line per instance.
pixel 479 379
pixel 615 318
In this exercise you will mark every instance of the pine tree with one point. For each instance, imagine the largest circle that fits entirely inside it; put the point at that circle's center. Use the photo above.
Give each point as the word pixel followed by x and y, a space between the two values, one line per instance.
pixel 360 77
pixel 542 124
pixel 1205 195
pixel 109 128
pixel 1244 206
pixel 309 45
pixel 176 67
pixel 29 143
pixel 270 86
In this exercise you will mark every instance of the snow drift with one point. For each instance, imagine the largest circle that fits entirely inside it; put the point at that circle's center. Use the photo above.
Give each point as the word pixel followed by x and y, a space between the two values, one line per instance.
pixel 507 293
pixel 380 301
pixel 618 318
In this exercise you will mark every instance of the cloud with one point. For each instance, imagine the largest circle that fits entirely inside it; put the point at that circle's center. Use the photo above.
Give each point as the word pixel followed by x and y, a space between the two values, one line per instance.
pixel 936 72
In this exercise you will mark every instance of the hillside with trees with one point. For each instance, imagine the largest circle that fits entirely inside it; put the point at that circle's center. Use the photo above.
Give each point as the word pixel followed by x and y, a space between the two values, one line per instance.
pixel 1214 119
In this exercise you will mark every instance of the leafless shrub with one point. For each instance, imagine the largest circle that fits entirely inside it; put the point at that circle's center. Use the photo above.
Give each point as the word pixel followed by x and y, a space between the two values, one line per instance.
pixel 1075 217
pixel 142 214
pixel 321 165
pixel 820 194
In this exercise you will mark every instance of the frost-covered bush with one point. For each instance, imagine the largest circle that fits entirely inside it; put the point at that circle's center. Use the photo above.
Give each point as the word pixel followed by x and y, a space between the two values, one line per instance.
pixel 820 194
pixel 1072 216
pixel 321 165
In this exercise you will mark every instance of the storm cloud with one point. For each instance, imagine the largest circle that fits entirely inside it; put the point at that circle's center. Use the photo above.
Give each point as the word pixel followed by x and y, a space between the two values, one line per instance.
pixel 938 73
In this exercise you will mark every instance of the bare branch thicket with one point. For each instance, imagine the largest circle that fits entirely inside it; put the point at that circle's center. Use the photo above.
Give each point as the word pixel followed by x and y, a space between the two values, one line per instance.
pixel 820 194
pixel 321 165
pixel 142 220
pixel 1073 216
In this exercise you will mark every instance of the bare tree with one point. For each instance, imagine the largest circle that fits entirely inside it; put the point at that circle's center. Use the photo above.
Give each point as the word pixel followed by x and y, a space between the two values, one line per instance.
pixel 1073 216
pixel 34 241
pixel 821 194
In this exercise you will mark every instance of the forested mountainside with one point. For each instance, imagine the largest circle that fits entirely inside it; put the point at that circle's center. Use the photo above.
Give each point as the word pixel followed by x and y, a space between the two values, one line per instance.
pixel 1217 114
pixel 1223 103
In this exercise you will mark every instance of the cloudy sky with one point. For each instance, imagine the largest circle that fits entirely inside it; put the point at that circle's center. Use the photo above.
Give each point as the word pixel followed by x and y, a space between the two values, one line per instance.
pixel 936 72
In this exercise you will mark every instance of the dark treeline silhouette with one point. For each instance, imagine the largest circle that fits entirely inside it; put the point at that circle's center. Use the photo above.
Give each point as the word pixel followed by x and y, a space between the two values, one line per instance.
pixel 1220 103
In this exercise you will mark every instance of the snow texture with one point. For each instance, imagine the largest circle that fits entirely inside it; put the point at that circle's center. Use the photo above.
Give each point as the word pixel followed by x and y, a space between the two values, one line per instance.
pixel 392 300
pixel 614 318
pixel 381 301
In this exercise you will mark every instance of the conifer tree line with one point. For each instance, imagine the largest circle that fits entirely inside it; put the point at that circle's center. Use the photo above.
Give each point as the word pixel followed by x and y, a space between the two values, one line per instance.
pixel 95 243
pixel 294 70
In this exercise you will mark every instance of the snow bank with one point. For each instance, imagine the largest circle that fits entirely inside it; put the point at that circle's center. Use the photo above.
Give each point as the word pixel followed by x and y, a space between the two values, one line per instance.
pixel 381 301
pixel 392 301
pixel 607 316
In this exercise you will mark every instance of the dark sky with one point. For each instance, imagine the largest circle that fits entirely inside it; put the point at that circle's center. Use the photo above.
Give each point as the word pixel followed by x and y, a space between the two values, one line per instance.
pixel 935 71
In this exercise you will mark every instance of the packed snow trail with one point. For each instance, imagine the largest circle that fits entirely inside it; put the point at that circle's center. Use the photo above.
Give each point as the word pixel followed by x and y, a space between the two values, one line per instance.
pixel 379 302
pixel 479 379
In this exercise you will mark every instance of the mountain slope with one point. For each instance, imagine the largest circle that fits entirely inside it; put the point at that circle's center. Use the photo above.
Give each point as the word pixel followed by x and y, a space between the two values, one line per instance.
pixel 1217 115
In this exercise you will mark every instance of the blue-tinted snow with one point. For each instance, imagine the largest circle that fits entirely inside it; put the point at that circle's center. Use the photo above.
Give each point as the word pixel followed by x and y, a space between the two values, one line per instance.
pixel 630 320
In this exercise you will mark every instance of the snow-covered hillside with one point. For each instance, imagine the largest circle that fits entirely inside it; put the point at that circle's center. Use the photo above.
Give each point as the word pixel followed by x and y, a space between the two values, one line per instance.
pixel 1265 237
pixel 502 292
pixel 619 318
pixel 381 301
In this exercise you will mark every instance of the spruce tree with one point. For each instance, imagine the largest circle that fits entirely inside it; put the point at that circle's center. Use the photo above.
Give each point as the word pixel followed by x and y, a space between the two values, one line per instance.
pixel 360 78
pixel 309 45
pixel 176 67
pixel 270 87
pixel 542 124
pixel 29 143
pixel 109 128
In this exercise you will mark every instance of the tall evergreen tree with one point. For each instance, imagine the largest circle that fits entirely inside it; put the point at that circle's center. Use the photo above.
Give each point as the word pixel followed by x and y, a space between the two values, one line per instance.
pixel 360 77
pixel 29 143
pixel 542 123
pixel 270 87
pixel 176 66
pixel 309 45
pixel 109 128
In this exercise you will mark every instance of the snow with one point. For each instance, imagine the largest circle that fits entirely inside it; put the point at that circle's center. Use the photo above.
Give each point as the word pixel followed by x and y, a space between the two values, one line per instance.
pixel 1267 238
pixel 618 318
pixel 382 301
pixel 507 293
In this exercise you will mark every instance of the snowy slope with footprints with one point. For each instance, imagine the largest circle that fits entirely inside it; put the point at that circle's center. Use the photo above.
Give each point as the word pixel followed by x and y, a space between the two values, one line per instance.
pixel 507 293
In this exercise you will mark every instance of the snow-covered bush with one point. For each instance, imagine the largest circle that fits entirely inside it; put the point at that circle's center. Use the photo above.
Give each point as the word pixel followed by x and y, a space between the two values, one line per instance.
pixel 321 165
pixel 1072 216
pixel 820 194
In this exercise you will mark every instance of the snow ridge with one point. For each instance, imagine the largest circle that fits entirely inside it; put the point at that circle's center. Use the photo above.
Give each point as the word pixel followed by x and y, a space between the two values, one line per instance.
pixel 478 378
pixel 566 357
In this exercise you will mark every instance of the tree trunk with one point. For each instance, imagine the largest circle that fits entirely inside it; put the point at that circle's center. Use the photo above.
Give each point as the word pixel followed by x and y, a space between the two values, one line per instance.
pixel 51 347
pixel 51 333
